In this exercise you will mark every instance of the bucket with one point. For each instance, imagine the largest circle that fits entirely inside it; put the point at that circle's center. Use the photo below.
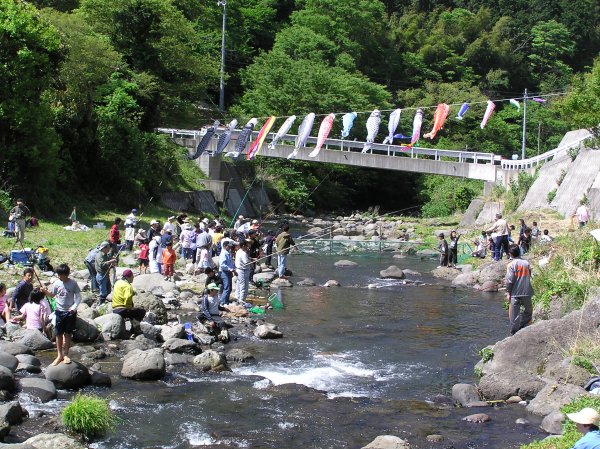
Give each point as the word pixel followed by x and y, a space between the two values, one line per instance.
pixel 275 301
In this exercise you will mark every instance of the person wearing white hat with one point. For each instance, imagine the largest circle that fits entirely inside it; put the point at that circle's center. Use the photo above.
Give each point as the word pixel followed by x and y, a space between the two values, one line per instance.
pixel 239 222
pixel 586 420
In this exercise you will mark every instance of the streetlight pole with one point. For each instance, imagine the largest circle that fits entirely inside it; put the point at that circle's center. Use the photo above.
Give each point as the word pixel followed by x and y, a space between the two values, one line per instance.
pixel 222 3
pixel 524 125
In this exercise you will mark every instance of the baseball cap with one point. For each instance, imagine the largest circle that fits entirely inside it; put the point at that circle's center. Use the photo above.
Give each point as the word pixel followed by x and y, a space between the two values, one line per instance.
pixel 103 245
pixel 585 416
pixel 127 273
pixel 229 242
pixel 212 286
pixel 134 211
pixel 254 221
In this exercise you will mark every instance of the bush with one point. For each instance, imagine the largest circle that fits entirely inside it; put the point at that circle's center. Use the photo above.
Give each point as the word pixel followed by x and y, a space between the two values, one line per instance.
pixel 89 416
pixel 551 195
pixel 486 354
pixel 445 195
pixel 517 191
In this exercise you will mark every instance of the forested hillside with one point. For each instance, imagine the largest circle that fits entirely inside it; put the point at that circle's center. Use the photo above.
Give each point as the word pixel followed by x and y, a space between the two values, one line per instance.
pixel 85 83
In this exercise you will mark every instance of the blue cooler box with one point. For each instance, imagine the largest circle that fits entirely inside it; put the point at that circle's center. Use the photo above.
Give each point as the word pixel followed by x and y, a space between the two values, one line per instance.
pixel 21 257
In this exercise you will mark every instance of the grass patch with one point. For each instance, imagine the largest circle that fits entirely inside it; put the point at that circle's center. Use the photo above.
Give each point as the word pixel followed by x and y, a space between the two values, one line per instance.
pixel 486 354
pixel 89 416
pixel 570 433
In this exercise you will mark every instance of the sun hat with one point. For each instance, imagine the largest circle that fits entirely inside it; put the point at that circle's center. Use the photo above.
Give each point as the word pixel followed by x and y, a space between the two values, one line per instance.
pixel 212 286
pixel 103 245
pixel 254 221
pixel 153 222
pixel 205 221
pixel 127 273
pixel 585 416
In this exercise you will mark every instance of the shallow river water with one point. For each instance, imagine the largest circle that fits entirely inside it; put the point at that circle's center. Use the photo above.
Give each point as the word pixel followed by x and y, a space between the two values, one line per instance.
pixel 354 363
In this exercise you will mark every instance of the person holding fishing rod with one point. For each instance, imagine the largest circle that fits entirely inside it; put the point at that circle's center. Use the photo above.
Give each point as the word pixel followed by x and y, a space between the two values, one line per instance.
pixel 103 264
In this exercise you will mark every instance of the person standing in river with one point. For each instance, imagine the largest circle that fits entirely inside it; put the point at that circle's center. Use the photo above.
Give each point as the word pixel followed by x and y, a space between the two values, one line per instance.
pixel 443 249
pixel 284 243
pixel 518 291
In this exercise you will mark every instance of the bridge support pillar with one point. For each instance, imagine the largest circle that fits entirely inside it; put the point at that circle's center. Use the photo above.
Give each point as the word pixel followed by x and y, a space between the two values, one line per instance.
pixel 488 186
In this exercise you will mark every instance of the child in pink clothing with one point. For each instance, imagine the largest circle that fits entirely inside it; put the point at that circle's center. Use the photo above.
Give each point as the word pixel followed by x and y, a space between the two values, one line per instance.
pixel 35 311
pixel 4 307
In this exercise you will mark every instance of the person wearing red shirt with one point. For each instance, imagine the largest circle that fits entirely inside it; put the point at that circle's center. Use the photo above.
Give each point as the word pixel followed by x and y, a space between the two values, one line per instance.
pixel 115 235
pixel 144 257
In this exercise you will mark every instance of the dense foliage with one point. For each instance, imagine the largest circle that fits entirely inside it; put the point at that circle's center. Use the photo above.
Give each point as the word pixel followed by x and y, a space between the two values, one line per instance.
pixel 87 81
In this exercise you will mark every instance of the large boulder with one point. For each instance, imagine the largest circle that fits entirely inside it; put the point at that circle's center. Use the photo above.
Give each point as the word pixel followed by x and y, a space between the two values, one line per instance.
pixel 144 365
pixel 449 274
pixel 9 361
pixel 85 330
pixel 35 340
pixel 465 394
pixel 519 360
pixel 7 379
pixel 465 279
pixel 13 348
pixel 264 278
pixel 552 397
pixel 12 413
pixel 153 304
pixel 42 389
pixel 281 283
pixel 553 422
pixel 493 271
pixel 175 331
pixel 387 442
pixel 238 355
pixel 112 326
pixel 211 361
pixel 392 272
pixel 68 375
pixel 54 441
pixel 29 363
pixel 151 281
pixel 85 311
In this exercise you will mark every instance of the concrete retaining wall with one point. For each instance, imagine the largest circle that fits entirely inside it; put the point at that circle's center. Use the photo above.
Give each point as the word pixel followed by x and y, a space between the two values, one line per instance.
pixel 198 201
pixel 472 212
pixel 488 213
pixel 537 196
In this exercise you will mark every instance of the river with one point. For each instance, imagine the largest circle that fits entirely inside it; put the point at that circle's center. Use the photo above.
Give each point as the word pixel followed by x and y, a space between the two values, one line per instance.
pixel 354 363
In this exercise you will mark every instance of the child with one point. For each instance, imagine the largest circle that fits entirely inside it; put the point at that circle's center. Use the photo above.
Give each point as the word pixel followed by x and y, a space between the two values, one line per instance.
pixel 4 307
pixel 453 249
pixel 443 248
pixel 168 261
pixel 67 297
pixel 144 257
pixel 35 311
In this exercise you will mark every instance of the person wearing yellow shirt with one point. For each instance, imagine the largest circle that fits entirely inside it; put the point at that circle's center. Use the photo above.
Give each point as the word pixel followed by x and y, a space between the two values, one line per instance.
pixel 217 236
pixel 122 301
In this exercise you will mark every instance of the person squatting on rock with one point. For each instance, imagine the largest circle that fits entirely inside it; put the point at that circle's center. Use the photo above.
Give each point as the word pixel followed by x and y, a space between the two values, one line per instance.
pixel 122 302
pixel 211 313
pixel 103 264
pixel 67 297
pixel 284 243
pixel 500 227
pixel 518 291
pixel 586 420
pixel 443 249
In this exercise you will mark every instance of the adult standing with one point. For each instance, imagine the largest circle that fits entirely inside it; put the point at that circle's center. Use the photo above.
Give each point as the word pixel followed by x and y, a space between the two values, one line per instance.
pixel 67 297
pixel 153 254
pixel 518 291
pixel 19 215
pixel 154 229
pixel 586 420
pixel 186 236
pixel 170 225
pixel 582 214
pixel 267 245
pixel 227 269
pixel 103 263
pixel 283 242
pixel 500 227
pixel 453 249
pixel 130 224
pixel 115 235
pixel 122 302
pixel 243 264
pixel 90 264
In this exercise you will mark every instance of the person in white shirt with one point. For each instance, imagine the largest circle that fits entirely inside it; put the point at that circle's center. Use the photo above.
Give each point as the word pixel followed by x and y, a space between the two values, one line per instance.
pixel 242 267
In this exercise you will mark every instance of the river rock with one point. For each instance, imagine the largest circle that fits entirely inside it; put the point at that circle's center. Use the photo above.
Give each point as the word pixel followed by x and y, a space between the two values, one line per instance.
pixel 12 413
pixel 446 273
pixel 14 348
pixel 428 253
pixel 489 286
pixel 434 438
pixel 112 326
pixel 332 283
pixel 211 361
pixel 465 394
pixel 281 283
pixel 150 331
pixel 566 371
pixel 144 365
pixel 387 442
pixel 345 264
pixel 150 303
pixel 9 361
pixel 307 282
pixel 14 331
pixel 85 330
pixel 239 356
pixel 174 331
pixel 35 340
pixel 552 397
pixel 493 271
pixel 68 376
pixel 477 418
pixel 53 441
pixel 267 331
pixel 553 422
pixel 519 360
pixel 100 379
pixel 85 311
pixel 410 272
pixel 465 279
pixel 42 389
pixel 265 278
pixel 182 346
pixel 522 422
pixel 514 400
pixel 150 281
pixel 141 343
pixel 392 272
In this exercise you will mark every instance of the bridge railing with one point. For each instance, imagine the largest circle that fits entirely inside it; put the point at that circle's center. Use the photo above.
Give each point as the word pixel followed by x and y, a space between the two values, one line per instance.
pixel 532 162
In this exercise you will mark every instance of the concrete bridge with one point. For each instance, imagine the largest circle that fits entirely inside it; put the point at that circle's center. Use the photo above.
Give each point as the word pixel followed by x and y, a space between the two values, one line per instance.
pixel 488 167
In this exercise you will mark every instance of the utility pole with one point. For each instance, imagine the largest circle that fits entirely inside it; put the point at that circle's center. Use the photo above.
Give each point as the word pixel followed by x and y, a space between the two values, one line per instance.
pixel 524 125
pixel 222 3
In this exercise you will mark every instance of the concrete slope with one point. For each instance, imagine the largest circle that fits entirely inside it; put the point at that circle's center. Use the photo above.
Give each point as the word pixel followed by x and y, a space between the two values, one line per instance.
pixel 488 214
pixel 594 197
pixel 537 196
pixel 472 212
pixel 580 177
